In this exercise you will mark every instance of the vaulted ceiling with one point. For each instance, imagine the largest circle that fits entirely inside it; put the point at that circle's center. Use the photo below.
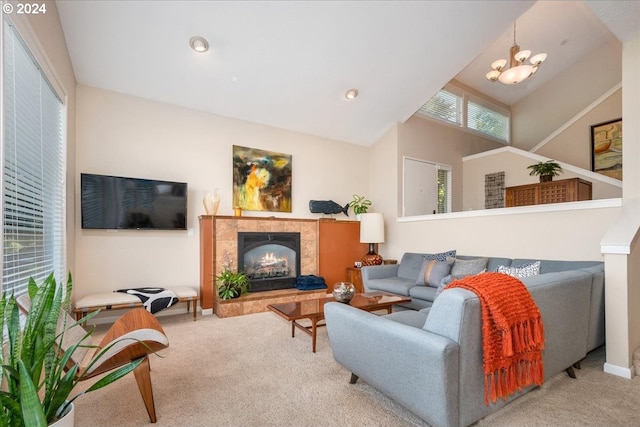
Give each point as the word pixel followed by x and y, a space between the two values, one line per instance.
pixel 288 63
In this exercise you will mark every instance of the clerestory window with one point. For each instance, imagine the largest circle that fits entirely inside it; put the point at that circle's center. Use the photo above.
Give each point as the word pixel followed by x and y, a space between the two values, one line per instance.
pixel 457 107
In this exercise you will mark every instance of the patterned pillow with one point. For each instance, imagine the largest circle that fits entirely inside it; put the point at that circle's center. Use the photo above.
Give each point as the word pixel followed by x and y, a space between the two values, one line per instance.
pixel 442 256
pixel 468 267
pixel 521 271
pixel 436 271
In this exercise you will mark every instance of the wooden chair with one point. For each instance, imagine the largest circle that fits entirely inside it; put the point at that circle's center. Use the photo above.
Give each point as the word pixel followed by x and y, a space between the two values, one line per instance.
pixel 133 328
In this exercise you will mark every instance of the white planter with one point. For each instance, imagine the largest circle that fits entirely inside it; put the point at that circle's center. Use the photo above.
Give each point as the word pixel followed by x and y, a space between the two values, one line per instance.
pixel 68 420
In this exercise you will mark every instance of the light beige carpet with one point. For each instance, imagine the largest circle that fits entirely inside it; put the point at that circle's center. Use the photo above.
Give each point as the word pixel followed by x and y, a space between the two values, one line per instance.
pixel 248 371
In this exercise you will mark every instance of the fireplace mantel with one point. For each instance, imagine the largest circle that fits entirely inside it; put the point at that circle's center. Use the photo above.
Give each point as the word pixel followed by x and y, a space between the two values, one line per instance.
pixel 218 236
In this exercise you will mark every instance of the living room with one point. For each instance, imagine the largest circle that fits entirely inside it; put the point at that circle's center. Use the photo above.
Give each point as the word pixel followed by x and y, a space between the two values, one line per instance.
pixel 118 134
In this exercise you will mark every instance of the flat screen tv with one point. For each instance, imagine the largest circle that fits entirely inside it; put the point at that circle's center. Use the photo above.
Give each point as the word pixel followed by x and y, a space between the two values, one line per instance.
pixel 113 202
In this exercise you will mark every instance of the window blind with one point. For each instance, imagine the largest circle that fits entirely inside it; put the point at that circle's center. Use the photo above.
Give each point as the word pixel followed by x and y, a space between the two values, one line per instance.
pixel 456 106
pixel 445 105
pixel 488 121
pixel 33 188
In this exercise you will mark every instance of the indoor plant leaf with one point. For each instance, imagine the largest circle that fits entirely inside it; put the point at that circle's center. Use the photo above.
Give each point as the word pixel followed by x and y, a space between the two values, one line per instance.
pixel 32 412
pixel 36 384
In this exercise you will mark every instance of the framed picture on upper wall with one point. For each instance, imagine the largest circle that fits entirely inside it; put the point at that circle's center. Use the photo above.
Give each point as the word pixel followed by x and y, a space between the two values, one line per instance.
pixel 261 180
pixel 606 149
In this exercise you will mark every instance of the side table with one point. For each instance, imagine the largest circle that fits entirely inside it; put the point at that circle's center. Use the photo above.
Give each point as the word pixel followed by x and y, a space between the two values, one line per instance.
pixel 354 275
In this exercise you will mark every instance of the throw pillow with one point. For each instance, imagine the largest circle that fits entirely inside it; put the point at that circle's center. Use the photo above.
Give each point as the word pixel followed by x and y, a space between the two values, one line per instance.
pixel 436 271
pixel 521 271
pixel 468 267
pixel 444 282
pixel 442 256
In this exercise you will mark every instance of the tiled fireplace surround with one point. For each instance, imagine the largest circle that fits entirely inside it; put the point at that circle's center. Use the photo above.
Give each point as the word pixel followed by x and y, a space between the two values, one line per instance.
pixel 218 242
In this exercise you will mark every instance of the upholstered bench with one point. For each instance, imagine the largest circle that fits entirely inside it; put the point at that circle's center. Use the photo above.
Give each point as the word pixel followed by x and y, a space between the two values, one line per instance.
pixel 119 300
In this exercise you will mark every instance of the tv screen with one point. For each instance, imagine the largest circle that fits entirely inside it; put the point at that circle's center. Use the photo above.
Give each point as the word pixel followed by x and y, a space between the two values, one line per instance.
pixel 113 202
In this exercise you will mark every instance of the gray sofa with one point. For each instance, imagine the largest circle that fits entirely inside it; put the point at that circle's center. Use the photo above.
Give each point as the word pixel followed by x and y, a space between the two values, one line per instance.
pixel 430 360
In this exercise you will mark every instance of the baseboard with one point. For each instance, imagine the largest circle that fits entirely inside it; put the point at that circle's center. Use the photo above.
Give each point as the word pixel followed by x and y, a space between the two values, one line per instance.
pixel 207 311
pixel 618 371
pixel 110 316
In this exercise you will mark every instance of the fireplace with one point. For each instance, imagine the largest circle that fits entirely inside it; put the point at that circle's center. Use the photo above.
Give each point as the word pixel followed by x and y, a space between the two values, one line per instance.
pixel 270 260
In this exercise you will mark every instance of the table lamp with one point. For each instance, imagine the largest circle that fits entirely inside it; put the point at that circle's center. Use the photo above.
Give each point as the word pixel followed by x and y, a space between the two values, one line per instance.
pixel 371 232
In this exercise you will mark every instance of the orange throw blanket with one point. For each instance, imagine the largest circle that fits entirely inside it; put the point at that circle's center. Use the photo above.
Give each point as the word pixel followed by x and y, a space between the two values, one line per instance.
pixel 512 334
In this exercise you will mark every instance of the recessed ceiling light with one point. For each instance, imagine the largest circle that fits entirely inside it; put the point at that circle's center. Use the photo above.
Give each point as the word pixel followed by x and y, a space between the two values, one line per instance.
pixel 351 94
pixel 199 44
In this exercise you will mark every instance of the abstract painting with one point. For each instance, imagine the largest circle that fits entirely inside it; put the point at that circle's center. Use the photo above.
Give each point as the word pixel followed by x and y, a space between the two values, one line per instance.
pixel 261 180
pixel 606 149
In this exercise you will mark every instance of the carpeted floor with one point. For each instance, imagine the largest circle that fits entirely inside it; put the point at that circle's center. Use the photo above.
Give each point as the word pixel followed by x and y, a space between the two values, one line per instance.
pixel 248 371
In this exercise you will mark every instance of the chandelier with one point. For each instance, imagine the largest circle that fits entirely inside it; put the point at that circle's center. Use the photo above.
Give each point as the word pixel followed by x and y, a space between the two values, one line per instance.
pixel 518 70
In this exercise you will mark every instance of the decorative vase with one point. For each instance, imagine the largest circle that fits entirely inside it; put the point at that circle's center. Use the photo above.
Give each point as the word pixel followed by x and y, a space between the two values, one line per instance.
pixel 68 419
pixel 344 292
pixel 211 202
pixel 216 202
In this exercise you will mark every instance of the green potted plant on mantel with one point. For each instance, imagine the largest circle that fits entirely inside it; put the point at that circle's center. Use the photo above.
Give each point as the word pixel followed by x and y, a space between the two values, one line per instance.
pixel 546 170
pixel 360 205
pixel 37 376
pixel 232 284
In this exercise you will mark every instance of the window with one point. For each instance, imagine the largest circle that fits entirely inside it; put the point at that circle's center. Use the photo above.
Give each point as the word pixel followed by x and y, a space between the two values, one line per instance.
pixel 33 190
pixel 445 105
pixel 455 106
pixel 487 120
pixel 444 189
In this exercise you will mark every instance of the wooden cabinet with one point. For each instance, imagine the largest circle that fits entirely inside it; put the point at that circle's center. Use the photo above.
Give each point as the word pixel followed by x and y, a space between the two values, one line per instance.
pixel 207 260
pixel 354 276
pixel 338 248
pixel 564 190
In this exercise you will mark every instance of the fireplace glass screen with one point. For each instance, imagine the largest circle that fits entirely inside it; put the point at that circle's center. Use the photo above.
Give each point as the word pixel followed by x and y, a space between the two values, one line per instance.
pixel 270 260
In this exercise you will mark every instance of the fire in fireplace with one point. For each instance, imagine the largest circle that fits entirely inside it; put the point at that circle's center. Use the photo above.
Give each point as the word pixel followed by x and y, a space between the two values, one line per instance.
pixel 270 260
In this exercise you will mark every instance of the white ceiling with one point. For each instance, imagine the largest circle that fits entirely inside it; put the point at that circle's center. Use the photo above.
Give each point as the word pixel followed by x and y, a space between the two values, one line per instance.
pixel 565 30
pixel 288 63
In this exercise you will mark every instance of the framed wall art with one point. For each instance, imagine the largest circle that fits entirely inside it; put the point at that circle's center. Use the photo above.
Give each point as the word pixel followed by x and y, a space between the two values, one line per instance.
pixel 606 149
pixel 261 180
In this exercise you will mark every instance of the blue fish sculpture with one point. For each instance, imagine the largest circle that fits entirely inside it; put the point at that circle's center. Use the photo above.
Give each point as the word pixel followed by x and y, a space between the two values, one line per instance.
pixel 327 207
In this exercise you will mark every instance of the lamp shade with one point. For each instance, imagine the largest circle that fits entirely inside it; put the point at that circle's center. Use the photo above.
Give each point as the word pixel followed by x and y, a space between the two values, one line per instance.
pixel 371 228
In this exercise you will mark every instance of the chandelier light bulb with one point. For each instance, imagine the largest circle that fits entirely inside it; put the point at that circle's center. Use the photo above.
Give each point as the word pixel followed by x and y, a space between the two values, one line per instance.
pixel 538 59
pixel 493 75
pixel 522 55
pixel 499 64
pixel 516 74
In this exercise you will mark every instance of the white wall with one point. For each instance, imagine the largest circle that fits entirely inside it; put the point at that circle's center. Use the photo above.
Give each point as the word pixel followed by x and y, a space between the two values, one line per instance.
pixel 573 144
pixel 541 113
pixel 563 235
pixel 513 163
pixel 128 136
pixel 621 244
pixel 426 139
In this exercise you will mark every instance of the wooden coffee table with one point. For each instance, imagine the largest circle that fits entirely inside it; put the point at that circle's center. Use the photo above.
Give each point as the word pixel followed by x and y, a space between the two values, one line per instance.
pixel 313 310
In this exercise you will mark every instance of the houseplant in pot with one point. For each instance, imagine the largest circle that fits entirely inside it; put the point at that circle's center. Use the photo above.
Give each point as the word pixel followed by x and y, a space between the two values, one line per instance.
pixel 232 284
pixel 545 170
pixel 38 378
pixel 360 205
